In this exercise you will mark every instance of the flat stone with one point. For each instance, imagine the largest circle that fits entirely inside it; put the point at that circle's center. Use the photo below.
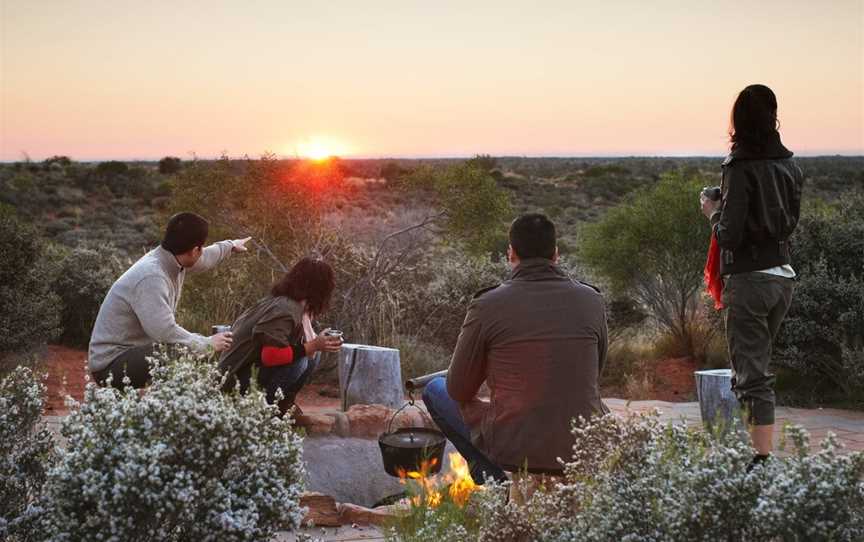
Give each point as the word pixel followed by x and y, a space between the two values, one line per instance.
pixel 351 469
pixel 335 534
pixel 368 420
pixel 352 514
pixel 322 510
pixel 316 424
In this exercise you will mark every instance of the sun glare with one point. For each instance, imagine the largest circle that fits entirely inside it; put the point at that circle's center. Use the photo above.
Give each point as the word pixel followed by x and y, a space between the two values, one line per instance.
pixel 319 149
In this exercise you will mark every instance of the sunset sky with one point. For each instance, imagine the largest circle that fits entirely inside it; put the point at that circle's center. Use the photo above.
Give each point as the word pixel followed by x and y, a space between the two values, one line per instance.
pixel 121 79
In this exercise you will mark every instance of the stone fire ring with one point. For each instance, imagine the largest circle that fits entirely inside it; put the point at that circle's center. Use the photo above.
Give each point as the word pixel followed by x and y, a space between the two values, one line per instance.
pixel 345 474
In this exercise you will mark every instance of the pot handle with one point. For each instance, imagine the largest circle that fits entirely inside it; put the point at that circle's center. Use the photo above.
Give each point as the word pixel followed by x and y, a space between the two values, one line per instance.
pixel 403 407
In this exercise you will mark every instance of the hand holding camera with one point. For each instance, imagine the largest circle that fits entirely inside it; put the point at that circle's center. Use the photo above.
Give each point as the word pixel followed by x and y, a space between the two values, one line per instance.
pixel 710 200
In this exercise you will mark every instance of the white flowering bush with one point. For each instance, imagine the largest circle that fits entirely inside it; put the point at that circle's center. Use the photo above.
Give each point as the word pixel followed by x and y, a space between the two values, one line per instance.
pixel 26 447
pixel 637 479
pixel 179 462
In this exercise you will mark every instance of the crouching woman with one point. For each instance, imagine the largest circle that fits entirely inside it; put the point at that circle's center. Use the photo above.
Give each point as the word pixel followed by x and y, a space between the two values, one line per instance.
pixel 276 336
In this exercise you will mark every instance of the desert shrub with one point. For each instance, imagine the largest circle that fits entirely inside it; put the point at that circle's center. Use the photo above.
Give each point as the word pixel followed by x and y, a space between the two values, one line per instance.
pixel 652 248
pixel 29 316
pixel 183 462
pixel 637 479
pixel 170 165
pixel 822 338
pixel 83 276
pixel 26 450
pixel 472 209
pixel 111 169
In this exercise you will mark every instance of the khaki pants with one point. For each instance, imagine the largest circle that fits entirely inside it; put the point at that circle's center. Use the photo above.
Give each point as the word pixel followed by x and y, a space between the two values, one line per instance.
pixel 756 304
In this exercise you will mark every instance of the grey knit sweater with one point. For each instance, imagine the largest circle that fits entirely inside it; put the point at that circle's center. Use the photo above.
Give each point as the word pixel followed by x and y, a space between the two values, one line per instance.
pixel 139 308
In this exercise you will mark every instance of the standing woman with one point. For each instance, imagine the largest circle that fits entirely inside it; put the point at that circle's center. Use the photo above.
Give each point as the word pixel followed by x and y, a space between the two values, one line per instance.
pixel 276 336
pixel 751 224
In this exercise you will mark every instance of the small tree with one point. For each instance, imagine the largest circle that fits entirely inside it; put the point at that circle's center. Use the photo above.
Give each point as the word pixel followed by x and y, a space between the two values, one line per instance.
pixel 653 248
pixel 170 165
pixel 472 209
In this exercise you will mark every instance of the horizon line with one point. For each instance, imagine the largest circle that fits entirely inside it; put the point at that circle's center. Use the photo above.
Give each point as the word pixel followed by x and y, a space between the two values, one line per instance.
pixel 839 154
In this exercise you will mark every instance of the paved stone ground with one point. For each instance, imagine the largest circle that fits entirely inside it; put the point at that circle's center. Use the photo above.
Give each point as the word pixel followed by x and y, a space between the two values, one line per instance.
pixel 847 425
pixel 336 534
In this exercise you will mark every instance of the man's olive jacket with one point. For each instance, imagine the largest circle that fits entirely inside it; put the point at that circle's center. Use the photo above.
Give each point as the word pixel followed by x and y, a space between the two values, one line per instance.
pixel 539 342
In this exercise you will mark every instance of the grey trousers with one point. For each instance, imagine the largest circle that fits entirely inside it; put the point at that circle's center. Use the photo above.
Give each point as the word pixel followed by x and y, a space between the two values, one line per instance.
pixel 756 304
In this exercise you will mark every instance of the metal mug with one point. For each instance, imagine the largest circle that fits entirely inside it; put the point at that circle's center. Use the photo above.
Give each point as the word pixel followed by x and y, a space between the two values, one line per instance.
pixel 220 329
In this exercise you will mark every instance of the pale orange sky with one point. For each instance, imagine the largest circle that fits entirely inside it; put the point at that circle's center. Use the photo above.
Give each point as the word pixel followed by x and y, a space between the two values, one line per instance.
pixel 122 79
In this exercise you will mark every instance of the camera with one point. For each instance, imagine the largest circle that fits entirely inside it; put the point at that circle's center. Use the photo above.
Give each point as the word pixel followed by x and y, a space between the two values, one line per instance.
pixel 712 193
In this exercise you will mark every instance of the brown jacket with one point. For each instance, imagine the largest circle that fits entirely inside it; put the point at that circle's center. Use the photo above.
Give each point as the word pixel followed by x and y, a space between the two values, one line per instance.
pixel 539 342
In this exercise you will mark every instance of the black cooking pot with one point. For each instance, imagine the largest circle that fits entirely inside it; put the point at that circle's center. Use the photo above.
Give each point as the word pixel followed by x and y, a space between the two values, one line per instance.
pixel 408 449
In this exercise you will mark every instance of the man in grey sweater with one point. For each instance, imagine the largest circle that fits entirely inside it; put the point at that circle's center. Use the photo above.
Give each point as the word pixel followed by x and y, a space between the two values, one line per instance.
pixel 140 307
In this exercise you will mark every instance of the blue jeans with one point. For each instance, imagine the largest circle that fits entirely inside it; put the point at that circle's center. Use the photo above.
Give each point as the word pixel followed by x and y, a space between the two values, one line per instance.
pixel 445 412
pixel 289 378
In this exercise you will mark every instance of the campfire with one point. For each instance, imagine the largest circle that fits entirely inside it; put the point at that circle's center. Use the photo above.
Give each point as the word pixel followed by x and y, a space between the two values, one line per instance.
pixel 456 484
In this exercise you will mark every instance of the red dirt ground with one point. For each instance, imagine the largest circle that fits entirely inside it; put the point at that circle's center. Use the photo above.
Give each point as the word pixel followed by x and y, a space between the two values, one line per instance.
pixel 674 380
pixel 66 369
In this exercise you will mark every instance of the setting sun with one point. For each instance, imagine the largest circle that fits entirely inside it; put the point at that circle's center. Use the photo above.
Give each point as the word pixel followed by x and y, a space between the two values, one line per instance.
pixel 319 148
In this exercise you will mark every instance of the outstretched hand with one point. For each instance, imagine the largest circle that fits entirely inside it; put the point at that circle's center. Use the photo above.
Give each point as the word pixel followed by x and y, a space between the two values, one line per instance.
pixel 239 245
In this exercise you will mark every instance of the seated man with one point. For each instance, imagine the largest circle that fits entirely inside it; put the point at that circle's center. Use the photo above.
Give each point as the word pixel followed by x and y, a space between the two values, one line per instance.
pixel 138 310
pixel 538 341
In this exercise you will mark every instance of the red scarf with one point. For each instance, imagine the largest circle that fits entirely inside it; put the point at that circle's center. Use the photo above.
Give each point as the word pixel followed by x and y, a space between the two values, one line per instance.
pixel 713 280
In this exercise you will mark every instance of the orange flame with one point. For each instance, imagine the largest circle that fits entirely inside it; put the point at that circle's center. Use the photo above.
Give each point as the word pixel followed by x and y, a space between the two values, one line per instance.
pixel 432 491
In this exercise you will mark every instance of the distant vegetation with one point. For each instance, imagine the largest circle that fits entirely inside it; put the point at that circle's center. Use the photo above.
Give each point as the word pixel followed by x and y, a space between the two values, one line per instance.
pixel 413 239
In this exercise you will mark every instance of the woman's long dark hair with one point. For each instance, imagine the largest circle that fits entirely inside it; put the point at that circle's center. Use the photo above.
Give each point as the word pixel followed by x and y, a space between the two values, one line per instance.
pixel 309 279
pixel 754 125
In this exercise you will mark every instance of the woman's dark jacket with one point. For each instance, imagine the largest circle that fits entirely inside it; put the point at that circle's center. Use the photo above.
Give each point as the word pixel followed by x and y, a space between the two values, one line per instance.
pixel 272 321
pixel 761 205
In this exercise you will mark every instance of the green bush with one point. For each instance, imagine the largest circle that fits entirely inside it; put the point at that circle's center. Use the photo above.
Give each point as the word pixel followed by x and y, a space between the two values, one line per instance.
pixel 652 248
pixel 183 462
pixel 26 451
pixel 822 338
pixel 170 165
pixel 30 314
pixel 82 279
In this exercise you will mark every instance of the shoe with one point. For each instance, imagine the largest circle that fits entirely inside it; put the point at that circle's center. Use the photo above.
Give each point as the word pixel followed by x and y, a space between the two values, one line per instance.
pixel 757 461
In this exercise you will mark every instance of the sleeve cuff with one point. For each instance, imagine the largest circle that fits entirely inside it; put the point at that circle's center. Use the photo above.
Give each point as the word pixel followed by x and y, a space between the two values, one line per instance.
pixel 715 217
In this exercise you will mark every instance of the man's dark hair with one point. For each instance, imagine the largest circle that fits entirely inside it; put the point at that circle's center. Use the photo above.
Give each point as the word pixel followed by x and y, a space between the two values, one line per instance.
pixel 753 124
pixel 533 236
pixel 184 232
pixel 309 279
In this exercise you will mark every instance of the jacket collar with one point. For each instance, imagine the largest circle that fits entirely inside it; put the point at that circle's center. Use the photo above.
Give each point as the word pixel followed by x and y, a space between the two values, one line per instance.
pixel 296 310
pixel 168 261
pixel 536 269
pixel 774 150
